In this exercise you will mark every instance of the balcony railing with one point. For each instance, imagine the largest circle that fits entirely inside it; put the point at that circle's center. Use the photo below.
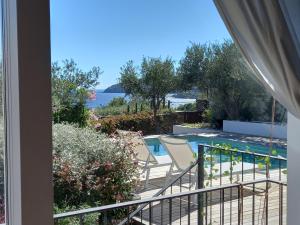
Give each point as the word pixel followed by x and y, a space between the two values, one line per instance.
pixel 224 196
pixel 262 164
pixel 257 202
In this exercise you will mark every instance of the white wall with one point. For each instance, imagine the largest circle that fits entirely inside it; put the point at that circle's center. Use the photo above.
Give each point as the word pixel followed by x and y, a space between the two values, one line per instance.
pixel 257 129
pixel 293 156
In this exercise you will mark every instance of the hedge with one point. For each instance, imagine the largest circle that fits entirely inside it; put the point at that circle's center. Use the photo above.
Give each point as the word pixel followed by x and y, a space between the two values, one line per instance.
pixel 143 122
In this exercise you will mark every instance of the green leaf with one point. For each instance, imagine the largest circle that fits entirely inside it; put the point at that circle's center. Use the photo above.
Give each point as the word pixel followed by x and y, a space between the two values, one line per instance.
pixel 274 152
pixel 260 166
pixel 195 155
pixel 226 173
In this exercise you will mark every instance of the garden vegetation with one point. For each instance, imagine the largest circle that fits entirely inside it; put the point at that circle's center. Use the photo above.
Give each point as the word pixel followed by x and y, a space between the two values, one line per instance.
pixel 91 168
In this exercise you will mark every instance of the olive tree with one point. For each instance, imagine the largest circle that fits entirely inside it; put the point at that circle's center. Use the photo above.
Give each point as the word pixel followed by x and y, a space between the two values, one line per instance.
pixel 193 68
pixel 234 92
pixel 220 71
pixel 154 80
pixel 70 90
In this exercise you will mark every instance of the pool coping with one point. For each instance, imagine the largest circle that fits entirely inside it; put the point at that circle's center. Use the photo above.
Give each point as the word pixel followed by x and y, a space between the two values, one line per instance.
pixel 281 143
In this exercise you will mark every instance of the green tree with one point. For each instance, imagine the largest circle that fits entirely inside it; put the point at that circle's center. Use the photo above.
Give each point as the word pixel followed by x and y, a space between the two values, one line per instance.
pixel 117 101
pixel 153 82
pixel 220 71
pixel 129 79
pixel 193 67
pixel 70 90
pixel 234 93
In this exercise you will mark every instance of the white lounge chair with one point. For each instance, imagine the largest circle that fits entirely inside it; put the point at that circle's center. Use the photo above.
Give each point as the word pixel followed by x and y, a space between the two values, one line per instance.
pixel 142 153
pixel 181 154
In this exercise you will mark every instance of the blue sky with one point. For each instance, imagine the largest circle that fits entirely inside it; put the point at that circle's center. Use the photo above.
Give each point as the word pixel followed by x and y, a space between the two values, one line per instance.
pixel 108 33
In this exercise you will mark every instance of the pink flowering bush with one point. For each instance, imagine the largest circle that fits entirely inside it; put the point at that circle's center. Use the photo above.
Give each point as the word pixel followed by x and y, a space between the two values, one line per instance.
pixel 91 168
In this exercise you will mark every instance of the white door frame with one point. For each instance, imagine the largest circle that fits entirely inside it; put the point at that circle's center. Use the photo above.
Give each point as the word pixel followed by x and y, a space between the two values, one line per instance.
pixel 27 68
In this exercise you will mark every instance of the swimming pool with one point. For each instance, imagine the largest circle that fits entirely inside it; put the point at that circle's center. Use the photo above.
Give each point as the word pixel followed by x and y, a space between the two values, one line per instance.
pixel 158 150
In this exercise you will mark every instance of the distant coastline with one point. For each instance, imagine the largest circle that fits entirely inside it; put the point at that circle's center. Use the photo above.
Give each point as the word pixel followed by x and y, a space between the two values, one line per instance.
pixel 104 96
pixel 115 88
pixel 102 99
pixel 192 94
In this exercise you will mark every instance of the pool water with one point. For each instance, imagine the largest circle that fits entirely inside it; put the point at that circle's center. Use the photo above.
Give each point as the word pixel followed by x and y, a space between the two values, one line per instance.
pixel 158 150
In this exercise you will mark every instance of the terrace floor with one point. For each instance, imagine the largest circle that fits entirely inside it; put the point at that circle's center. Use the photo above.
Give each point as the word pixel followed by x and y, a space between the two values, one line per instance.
pixel 254 200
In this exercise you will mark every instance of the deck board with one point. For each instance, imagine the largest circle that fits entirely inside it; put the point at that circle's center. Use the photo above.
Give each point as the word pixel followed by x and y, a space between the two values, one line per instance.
pixel 212 212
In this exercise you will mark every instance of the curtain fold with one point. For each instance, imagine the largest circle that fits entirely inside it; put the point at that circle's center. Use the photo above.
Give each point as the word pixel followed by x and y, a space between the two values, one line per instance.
pixel 268 34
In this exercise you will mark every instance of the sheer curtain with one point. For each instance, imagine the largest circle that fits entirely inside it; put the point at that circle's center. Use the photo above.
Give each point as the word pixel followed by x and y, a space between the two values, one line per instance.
pixel 268 34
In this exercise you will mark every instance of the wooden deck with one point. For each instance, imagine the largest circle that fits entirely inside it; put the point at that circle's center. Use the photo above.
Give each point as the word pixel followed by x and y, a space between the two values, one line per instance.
pixel 217 211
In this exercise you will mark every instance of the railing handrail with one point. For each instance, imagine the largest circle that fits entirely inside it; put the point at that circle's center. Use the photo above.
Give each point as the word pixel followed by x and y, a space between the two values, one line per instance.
pixel 161 198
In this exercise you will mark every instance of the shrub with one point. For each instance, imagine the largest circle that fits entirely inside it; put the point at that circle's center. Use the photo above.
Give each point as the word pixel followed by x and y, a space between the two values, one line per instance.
pixel 117 101
pixel 72 114
pixel 89 219
pixel 110 111
pixel 207 116
pixel 137 122
pixel 129 108
pixel 187 107
pixel 91 168
pixel 119 106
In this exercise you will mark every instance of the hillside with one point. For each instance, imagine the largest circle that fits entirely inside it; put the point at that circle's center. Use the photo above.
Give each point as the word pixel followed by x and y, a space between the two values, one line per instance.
pixel 115 88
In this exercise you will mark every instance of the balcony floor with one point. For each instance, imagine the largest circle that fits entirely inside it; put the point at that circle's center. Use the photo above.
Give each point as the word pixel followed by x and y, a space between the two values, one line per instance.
pixel 252 201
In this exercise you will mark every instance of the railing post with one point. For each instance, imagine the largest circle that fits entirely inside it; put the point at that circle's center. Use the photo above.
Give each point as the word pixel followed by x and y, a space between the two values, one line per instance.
pixel 200 182
pixel 200 174
pixel 239 205
pixel 104 218
pixel 81 219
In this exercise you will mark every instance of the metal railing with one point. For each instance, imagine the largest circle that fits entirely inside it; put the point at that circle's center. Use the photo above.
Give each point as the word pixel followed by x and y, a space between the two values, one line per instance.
pixel 213 158
pixel 216 156
pixel 257 202
pixel 210 157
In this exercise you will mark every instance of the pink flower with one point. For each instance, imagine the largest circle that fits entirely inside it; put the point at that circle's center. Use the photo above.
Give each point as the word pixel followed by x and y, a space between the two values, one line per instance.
pixel 108 166
pixel 98 126
pixel 119 197
pixel 94 117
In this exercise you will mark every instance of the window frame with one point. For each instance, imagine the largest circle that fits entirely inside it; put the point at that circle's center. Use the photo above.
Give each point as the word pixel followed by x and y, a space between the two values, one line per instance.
pixel 27 110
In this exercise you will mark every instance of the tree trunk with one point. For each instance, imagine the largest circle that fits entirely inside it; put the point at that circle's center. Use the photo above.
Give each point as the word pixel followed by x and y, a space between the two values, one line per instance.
pixel 156 104
pixel 156 119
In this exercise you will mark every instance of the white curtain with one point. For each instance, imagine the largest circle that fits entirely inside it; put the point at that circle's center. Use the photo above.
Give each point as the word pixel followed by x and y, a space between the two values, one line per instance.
pixel 268 34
